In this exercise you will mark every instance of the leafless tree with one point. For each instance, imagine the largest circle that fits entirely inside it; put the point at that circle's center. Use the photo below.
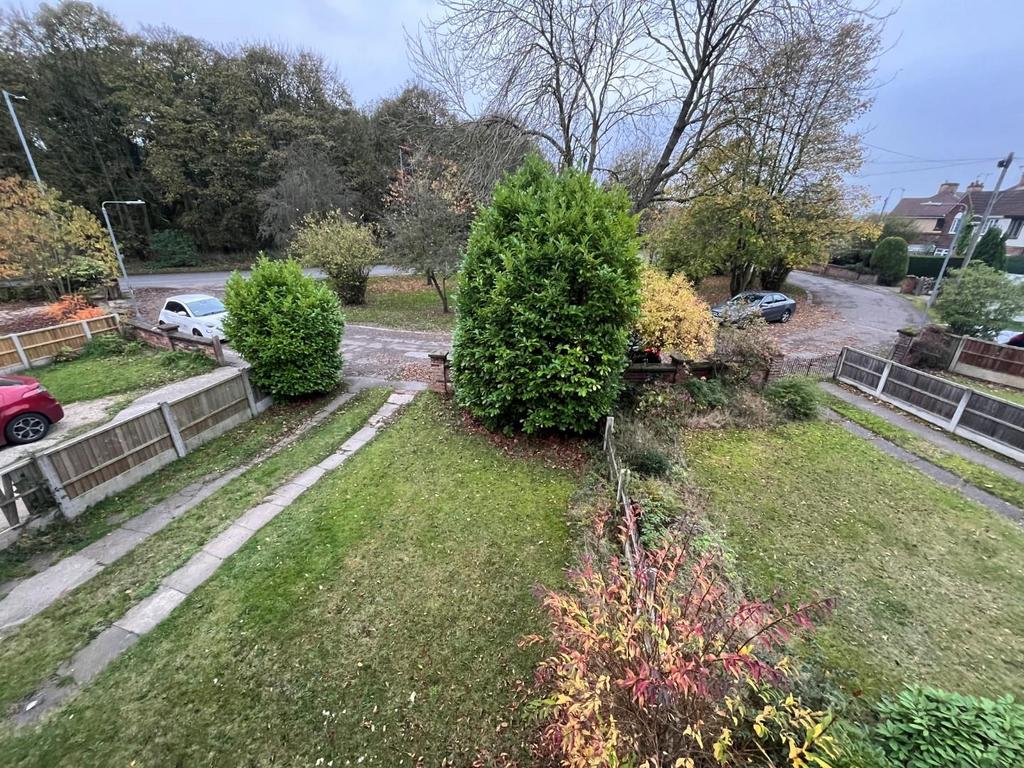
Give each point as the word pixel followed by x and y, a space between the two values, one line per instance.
pixel 595 79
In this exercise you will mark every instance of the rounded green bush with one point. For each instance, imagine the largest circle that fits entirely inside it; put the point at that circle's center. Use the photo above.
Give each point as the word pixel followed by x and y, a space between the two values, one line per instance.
pixel 891 260
pixel 287 326
pixel 795 397
pixel 548 293
pixel 649 462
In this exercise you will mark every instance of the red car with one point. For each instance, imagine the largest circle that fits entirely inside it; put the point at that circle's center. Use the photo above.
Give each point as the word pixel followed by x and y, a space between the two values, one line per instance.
pixel 26 410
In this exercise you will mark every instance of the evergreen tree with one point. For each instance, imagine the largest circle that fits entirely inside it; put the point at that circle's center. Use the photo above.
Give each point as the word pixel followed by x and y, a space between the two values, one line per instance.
pixel 991 249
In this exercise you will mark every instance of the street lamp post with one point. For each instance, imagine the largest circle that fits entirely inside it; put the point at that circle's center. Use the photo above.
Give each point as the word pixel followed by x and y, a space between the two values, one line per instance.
pixel 24 144
pixel 113 239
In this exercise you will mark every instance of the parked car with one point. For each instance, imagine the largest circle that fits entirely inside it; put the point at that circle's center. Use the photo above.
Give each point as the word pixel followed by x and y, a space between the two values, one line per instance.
pixel 27 410
pixel 773 307
pixel 195 313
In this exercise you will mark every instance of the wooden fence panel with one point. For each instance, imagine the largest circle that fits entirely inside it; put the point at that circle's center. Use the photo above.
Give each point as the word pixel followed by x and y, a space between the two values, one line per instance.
pixel 41 345
pixel 111 452
pixel 861 368
pixel 988 361
pixel 9 357
pixel 992 422
pixel 211 411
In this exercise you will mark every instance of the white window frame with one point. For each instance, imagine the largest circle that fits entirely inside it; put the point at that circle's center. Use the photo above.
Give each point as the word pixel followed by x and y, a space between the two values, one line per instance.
pixel 1015 224
pixel 991 221
pixel 954 228
pixel 941 252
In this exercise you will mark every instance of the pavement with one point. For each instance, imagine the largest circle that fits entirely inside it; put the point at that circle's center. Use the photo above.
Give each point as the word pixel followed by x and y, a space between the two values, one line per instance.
pixel 866 316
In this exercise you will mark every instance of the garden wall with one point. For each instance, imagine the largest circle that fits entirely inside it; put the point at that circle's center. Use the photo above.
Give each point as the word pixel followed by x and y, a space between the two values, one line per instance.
pixel 167 337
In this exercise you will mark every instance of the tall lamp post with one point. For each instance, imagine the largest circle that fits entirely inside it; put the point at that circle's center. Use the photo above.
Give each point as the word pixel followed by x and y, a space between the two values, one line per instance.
pixel 21 135
pixel 113 239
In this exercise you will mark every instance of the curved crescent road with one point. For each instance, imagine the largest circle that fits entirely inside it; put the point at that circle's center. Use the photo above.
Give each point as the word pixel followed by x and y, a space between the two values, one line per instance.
pixel 867 316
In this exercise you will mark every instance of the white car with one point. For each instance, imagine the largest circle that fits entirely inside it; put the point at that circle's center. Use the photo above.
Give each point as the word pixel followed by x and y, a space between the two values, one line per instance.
pixel 195 313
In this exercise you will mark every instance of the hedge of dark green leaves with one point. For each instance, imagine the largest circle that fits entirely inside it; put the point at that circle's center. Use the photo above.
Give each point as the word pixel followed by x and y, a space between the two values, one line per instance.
pixel 548 293
pixel 928 728
pixel 287 326
pixel 795 397
pixel 891 260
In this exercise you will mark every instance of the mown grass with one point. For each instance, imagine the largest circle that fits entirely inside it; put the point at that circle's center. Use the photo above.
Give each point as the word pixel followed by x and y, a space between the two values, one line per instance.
pixel 94 376
pixel 373 623
pixel 930 585
pixel 976 474
pixel 210 460
pixel 33 652
pixel 406 303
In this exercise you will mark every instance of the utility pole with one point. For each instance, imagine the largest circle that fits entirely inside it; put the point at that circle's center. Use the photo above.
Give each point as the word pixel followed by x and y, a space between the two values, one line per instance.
pixel 113 238
pixel 1004 165
pixel 885 203
pixel 24 144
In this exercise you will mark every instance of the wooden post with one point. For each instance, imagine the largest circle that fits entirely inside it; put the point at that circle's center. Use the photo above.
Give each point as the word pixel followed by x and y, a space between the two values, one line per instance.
pixel 884 377
pixel 52 479
pixel 218 351
pixel 960 408
pixel 839 364
pixel 172 426
pixel 249 394
pixel 87 330
pixel 9 502
pixel 21 351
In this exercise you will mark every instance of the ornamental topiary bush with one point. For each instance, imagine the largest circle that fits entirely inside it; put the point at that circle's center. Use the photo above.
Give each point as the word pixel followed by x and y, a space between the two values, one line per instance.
pixel 548 293
pixel 287 326
pixel 929 728
pixel 890 260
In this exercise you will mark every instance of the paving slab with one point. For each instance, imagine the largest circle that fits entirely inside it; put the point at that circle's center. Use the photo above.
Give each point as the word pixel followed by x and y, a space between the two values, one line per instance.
pixel 310 477
pixel 151 521
pixel 94 658
pixel 359 439
pixel 286 494
pixel 259 516
pixel 229 541
pixel 37 592
pixel 334 461
pixel 114 545
pixel 401 398
pixel 144 616
pixel 193 573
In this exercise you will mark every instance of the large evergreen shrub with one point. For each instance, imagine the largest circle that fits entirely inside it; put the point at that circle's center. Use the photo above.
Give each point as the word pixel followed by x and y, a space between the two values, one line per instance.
pixel 287 326
pixel 979 301
pixel 548 292
pixel 890 260
pixel 991 249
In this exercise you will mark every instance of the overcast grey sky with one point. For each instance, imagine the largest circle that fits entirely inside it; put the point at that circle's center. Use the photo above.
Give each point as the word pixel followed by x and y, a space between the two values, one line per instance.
pixel 952 77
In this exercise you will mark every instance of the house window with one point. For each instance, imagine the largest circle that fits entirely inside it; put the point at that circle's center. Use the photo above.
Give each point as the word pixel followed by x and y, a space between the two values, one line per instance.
pixel 940 224
pixel 991 221
pixel 1015 227
pixel 942 252
pixel 955 226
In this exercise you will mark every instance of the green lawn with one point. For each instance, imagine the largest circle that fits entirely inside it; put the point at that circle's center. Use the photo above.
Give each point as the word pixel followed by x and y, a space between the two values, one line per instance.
pixel 94 376
pixel 372 623
pixel 33 652
pixel 402 302
pixel 987 479
pixel 930 585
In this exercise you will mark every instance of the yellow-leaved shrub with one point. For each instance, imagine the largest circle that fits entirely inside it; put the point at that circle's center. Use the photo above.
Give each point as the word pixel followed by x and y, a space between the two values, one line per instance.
pixel 673 317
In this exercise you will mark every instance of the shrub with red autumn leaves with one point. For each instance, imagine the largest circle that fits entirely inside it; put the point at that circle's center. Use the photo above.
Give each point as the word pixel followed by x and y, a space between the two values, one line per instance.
pixel 70 308
pixel 661 665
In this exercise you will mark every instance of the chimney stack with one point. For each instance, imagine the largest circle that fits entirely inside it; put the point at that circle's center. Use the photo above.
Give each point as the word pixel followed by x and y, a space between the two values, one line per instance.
pixel 948 186
pixel 975 186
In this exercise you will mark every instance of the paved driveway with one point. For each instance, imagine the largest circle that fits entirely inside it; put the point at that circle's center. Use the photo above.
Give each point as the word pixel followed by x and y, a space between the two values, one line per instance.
pixel 865 316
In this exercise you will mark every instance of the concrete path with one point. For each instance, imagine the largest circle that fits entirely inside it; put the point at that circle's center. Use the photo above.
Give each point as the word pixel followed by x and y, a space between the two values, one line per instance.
pixel 147 614
pixel 32 595
pixel 940 439
pixel 390 353
pixel 869 316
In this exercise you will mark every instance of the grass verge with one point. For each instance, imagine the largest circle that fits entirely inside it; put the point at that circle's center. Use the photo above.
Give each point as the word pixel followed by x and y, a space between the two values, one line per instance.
pixel 220 455
pixel 32 653
pixel 930 585
pixel 373 623
pixel 91 377
pixel 976 474
pixel 407 303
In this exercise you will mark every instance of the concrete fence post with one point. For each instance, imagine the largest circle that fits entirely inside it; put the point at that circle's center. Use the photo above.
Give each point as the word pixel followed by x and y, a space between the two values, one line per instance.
pixel 172 427
pixel 249 394
pixel 218 351
pixel 52 480
pixel 956 355
pixel 20 350
pixel 960 408
pixel 87 330
pixel 839 364
pixel 884 377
